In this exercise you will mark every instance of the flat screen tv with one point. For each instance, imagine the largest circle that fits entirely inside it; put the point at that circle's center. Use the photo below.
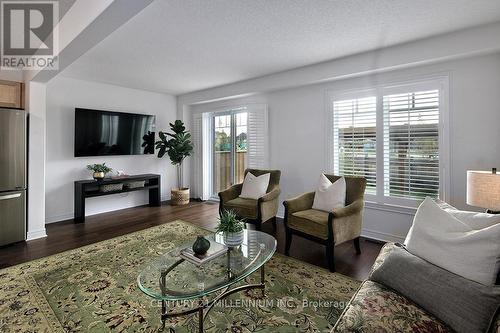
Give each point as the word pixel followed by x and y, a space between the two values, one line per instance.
pixel 101 133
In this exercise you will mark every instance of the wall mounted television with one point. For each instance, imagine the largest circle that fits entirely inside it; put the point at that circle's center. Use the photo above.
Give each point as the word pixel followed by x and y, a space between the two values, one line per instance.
pixel 102 133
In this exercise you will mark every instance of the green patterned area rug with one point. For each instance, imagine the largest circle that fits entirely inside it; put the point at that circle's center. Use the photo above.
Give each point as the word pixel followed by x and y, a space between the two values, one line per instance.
pixel 94 289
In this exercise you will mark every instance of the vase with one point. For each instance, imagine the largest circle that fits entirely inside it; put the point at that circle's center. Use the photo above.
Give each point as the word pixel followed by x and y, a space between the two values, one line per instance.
pixel 233 239
pixel 201 245
pixel 98 175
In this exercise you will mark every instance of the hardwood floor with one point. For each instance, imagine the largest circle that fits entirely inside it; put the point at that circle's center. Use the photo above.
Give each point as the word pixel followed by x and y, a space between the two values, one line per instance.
pixel 67 235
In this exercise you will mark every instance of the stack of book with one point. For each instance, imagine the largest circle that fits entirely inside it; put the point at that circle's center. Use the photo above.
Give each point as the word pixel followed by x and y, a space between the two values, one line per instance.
pixel 215 250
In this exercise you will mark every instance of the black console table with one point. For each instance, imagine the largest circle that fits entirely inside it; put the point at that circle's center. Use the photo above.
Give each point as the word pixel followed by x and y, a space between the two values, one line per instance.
pixel 91 188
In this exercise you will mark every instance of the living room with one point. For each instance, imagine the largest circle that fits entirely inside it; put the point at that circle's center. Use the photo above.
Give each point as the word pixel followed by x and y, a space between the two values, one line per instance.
pixel 245 166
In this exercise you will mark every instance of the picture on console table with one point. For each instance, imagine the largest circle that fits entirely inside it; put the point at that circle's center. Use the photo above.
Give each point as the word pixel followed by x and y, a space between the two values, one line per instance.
pixel 178 146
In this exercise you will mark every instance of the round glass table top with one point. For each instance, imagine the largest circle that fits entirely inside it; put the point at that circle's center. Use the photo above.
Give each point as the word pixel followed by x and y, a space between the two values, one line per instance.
pixel 171 277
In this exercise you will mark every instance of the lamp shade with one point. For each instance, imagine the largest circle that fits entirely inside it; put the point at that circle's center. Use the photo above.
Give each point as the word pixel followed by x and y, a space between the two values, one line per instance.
pixel 483 189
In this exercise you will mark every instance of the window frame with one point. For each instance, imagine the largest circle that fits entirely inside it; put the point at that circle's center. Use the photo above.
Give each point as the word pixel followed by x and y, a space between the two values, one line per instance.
pixel 232 112
pixel 438 82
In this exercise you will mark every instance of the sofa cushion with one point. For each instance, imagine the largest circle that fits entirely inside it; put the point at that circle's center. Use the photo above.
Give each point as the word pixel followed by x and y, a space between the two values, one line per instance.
pixel 442 239
pixel 311 221
pixel 378 309
pixel 464 305
pixel 243 207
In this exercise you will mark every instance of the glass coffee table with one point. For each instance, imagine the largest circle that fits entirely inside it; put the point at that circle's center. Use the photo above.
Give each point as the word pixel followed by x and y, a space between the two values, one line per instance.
pixel 173 279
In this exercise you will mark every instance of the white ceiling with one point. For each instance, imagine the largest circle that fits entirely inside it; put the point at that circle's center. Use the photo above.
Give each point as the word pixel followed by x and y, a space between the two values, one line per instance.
pixel 179 46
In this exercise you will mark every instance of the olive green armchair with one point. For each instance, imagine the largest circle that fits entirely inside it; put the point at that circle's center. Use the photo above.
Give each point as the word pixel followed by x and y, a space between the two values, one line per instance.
pixel 253 211
pixel 327 228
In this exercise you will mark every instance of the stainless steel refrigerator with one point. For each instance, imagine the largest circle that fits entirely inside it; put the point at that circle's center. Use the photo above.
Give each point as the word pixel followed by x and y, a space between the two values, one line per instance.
pixel 12 176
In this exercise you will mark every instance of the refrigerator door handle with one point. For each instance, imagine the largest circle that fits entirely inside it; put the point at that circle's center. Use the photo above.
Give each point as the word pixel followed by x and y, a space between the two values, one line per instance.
pixel 10 196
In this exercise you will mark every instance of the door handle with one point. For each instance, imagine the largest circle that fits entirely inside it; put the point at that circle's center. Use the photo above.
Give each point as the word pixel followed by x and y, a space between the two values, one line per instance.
pixel 10 196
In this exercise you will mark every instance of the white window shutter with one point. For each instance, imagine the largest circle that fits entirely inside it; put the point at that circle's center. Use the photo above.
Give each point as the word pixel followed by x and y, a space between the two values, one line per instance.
pixel 411 144
pixel 206 168
pixel 258 136
pixel 202 169
pixel 196 133
pixel 355 139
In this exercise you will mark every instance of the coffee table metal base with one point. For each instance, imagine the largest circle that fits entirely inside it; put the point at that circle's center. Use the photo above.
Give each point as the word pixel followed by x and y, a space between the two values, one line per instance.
pixel 204 308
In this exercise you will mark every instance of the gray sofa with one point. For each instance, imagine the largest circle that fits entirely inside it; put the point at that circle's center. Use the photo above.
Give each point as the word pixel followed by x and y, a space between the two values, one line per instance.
pixel 377 308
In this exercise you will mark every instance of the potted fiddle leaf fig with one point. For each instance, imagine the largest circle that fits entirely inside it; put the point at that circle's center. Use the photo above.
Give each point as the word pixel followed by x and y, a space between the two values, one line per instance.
pixel 177 145
pixel 231 228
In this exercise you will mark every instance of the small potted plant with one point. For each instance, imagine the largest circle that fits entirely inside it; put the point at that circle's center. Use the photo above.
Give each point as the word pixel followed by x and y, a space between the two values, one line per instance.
pixel 99 170
pixel 177 145
pixel 231 228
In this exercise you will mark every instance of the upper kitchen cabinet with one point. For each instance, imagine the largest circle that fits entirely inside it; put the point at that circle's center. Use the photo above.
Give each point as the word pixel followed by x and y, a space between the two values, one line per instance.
pixel 11 94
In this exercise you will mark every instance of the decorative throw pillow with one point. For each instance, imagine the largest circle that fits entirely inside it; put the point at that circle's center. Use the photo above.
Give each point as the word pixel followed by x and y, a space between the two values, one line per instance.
pixel 475 220
pixel 255 187
pixel 466 306
pixel 329 195
pixel 462 247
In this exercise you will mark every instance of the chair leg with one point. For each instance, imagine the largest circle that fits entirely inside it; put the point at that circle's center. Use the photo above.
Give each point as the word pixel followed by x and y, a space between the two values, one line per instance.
pixel 274 224
pixel 258 226
pixel 356 245
pixel 330 249
pixel 288 241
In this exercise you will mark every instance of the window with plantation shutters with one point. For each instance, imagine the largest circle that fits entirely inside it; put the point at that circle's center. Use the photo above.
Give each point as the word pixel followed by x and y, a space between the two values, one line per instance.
pixel 354 143
pixel 396 136
pixel 411 144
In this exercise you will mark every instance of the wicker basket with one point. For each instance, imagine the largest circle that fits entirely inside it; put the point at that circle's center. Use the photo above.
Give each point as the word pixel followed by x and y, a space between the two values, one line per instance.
pixel 111 187
pixel 179 197
pixel 135 184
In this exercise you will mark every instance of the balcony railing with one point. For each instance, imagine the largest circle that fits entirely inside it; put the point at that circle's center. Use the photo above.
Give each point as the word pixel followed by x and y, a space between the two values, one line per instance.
pixel 222 169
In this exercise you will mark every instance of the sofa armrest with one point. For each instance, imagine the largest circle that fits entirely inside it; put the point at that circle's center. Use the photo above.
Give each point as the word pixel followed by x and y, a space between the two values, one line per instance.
pixel 302 202
pixel 384 253
pixel 351 209
pixel 231 193
pixel 271 195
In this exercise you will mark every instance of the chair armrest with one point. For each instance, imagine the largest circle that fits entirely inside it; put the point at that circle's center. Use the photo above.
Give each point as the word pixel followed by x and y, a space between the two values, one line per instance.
pixel 231 193
pixel 273 194
pixel 302 202
pixel 351 209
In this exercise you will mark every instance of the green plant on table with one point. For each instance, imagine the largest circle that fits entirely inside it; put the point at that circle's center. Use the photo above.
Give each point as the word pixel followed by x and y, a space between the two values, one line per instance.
pixel 229 222
pixel 99 168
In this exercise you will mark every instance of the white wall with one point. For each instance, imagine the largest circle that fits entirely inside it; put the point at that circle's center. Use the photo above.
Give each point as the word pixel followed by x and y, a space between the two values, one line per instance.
pixel 36 94
pixel 11 75
pixel 62 168
pixel 298 133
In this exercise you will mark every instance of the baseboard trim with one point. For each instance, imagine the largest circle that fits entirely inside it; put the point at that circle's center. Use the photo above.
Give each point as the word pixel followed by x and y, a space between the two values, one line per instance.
pixel 36 234
pixel 381 236
pixel 281 212
pixel 59 218
pixel 70 215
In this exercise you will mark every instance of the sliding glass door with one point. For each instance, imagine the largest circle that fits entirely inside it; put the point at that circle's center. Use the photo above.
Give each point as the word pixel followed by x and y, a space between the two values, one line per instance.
pixel 229 149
